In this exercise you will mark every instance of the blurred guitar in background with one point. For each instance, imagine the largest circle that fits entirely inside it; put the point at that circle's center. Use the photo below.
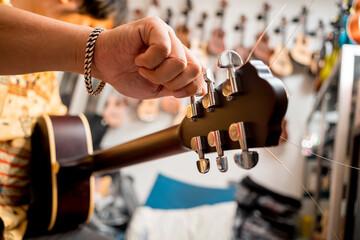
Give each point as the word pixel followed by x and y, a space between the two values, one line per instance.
pixel 280 59
pixel 216 44
pixel 263 50
pixel 240 28
pixel 301 52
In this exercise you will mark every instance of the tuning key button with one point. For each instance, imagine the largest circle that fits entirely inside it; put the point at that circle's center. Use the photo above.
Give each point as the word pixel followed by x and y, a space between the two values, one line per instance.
pixel 209 100
pixel 216 140
pixel 192 111
pixel 246 159
pixel 203 165
pixel 199 146
pixel 230 59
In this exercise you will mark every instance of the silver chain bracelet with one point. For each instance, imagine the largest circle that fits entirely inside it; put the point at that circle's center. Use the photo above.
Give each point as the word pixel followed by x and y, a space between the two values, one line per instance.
pixel 88 61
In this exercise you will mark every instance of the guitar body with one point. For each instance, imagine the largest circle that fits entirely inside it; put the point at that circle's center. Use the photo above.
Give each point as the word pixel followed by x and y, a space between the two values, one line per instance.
pixel 61 196
pixel 243 51
pixel 263 51
pixel 216 44
pixel 170 105
pixel 281 62
pixel 315 65
pixel 301 51
pixel 182 32
pixel 148 110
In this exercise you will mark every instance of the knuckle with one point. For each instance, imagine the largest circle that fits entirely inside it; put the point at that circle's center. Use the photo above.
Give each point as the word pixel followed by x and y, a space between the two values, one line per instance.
pixel 153 20
pixel 192 88
pixel 163 50
pixel 197 86
pixel 194 70
pixel 181 63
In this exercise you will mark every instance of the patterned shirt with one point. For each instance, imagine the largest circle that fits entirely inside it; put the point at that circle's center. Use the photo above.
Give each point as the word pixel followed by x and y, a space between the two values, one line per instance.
pixel 23 99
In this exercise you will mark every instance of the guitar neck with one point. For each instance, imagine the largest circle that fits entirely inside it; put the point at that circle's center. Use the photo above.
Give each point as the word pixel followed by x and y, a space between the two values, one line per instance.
pixel 283 35
pixel 241 43
pixel 304 25
pixel 154 146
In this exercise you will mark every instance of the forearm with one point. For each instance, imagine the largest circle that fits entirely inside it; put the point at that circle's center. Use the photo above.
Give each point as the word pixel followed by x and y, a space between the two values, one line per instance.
pixel 32 43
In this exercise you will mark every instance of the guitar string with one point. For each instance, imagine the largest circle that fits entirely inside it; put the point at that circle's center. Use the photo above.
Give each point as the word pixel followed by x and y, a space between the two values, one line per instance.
pixel 317 155
pixel 265 31
pixel 302 19
pixel 303 187
pixel 272 154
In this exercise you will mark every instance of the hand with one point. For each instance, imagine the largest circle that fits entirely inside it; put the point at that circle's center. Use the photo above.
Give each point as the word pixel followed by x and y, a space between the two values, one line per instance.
pixel 144 59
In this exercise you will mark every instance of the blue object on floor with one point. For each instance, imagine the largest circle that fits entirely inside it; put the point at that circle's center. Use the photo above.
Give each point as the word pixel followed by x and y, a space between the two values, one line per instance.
pixel 168 193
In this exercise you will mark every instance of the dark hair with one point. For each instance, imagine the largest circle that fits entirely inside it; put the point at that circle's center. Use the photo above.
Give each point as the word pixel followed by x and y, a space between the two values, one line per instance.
pixel 103 9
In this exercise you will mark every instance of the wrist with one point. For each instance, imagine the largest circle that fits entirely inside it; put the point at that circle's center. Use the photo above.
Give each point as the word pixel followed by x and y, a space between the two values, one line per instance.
pixel 99 52
pixel 81 38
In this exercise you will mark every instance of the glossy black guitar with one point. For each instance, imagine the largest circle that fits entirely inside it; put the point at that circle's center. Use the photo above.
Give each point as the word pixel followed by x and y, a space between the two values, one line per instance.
pixel 63 161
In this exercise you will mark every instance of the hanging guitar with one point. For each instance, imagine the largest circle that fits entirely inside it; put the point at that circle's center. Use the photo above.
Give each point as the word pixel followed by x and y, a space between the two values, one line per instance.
pixel 168 18
pixel 183 31
pixel 301 52
pixel 154 9
pixel 240 48
pixel 245 111
pixel 317 60
pixel 280 60
pixel 263 50
pixel 216 44
pixel 198 44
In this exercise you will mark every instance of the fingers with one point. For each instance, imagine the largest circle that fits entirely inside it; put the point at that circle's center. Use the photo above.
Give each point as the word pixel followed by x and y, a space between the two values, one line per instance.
pixel 155 35
pixel 171 67
pixel 192 77
pixel 190 81
pixel 166 62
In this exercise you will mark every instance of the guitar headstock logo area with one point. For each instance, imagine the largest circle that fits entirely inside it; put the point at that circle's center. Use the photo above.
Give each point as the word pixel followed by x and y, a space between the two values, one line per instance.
pixel 247 113
pixel 244 112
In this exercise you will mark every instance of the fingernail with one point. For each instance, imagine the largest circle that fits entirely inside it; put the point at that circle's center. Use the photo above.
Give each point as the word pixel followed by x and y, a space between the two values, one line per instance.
pixel 199 93
pixel 180 94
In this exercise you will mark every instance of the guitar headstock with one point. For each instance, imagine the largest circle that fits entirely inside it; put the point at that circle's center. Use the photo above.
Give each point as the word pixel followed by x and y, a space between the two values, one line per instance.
pixel 241 24
pixel 169 14
pixel 224 4
pixel 203 18
pixel 266 7
pixel 243 112
pixel 263 16
pixel 281 28
pixel 155 3
pixel 220 12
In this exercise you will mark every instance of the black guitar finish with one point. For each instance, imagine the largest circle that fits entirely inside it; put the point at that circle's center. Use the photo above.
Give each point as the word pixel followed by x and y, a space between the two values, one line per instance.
pixel 63 161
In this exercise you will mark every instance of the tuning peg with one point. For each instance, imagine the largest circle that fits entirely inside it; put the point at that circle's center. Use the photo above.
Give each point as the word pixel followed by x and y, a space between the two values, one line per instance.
pixel 210 99
pixel 246 159
pixel 198 145
pixel 192 110
pixel 296 20
pixel 230 59
pixel 260 17
pixel 215 139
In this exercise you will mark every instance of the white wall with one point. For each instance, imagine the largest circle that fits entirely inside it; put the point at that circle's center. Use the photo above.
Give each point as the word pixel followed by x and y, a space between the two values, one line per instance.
pixel 268 171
